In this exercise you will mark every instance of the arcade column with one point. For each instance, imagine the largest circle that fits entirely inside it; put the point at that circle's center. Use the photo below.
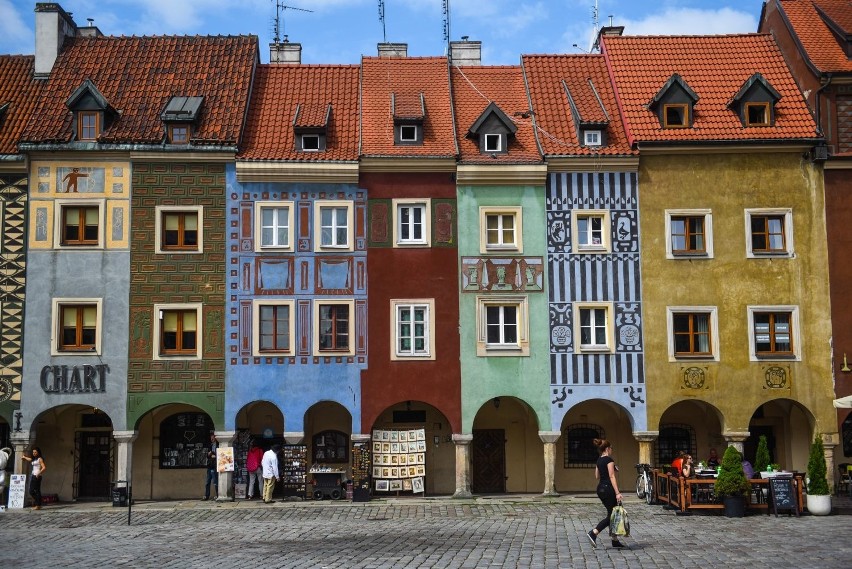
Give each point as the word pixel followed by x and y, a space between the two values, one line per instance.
pixel 549 439
pixel 462 443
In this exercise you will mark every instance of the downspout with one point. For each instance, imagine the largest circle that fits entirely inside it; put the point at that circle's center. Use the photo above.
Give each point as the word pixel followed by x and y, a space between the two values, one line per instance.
pixel 819 106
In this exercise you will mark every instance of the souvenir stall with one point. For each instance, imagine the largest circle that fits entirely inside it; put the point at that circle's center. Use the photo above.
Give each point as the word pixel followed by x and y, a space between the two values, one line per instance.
pixel 399 460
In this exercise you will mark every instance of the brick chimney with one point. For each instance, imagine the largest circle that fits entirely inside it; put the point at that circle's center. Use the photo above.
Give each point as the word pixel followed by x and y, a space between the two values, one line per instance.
pixel 393 50
pixel 52 26
pixel 285 53
pixel 466 52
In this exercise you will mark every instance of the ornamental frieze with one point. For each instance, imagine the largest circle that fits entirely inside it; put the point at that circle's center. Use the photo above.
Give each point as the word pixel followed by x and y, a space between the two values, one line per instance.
pixel 502 274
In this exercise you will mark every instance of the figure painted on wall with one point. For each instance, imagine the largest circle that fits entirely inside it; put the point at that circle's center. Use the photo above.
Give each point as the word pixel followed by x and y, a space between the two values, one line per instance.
pixel 71 178
pixel 141 330
pixel 444 223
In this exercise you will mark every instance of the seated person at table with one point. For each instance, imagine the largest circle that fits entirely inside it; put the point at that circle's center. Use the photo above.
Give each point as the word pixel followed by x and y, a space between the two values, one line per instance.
pixel 687 468
pixel 677 463
pixel 713 461
pixel 748 469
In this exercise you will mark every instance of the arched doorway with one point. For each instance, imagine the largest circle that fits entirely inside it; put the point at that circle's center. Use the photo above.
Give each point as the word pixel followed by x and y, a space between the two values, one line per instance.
pixel 789 430
pixel 691 426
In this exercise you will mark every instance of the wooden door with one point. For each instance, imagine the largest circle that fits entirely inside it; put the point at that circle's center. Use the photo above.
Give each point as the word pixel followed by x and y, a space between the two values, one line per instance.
pixel 95 465
pixel 488 461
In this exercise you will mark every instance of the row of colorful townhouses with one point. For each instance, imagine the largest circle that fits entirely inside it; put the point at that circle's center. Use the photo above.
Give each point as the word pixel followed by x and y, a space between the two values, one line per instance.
pixel 647 244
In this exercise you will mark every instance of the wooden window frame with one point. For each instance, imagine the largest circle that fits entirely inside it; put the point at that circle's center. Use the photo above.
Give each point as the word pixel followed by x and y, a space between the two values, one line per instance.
pixel 792 313
pixel 683 214
pixel 685 107
pixel 257 306
pixel 58 347
pixel 179 352
pixel 160 227
pixel 174 131
pixel 83 128
pixel 81 240
pixel 335 350
pixel 712 314
pixel 785 216
pixel 766 113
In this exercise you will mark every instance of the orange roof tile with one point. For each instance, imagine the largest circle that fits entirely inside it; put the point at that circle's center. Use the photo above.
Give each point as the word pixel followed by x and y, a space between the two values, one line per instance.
pixel 817 39
pixel 18 95
pixel 548 76
pixel 715 67
pixel 312 115
pixel 280 89
pixel 406 76
pixel 408 106
pixel 138 76
pixel 474 88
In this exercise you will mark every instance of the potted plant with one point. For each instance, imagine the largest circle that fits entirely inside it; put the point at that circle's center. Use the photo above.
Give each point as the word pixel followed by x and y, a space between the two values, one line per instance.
pixel 819 498
pixel 761 458
pixel 732 486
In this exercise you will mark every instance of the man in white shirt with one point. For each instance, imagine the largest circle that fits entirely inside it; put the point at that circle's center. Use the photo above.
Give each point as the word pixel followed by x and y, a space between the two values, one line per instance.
pixel 270 472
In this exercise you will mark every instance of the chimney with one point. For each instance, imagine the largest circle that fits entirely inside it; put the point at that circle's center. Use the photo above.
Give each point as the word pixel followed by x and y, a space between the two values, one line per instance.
pixel 53 25
pixel 393 50
pixel 90 31
pixel 607 31
pixel 466 52
pixel 285 52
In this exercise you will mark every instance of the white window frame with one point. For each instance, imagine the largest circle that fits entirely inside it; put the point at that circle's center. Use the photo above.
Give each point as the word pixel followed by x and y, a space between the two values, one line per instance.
pixel 787 213
pixel 304 137
pixel 491 136
pixel 55 323
pixel 158 319
pixel 258 225
pixel 316 327
pixel 707 214
pixel 256 304
pixel 713 313
pixel 606 227
pixel 426 240
pixel 795 335
pixel 350 225
pixel 59 218
pixel 607 348
pixel 592 138
pixel 402 129
pixel 522 346
pixel 160 210
pixel 516 213
pixel 429 352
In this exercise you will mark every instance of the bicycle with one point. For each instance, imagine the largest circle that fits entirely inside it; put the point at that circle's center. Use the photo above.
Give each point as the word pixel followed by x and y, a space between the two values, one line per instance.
pixel 644 484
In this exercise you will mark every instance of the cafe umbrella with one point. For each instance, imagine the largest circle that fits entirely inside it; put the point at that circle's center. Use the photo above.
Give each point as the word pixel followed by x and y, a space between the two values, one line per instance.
pixel 843 402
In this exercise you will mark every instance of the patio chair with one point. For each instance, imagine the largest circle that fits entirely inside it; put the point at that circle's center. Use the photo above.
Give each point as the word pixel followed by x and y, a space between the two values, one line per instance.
pixel 844 483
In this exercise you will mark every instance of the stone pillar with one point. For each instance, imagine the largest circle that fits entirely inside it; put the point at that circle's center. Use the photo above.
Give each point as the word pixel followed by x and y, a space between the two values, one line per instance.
pixel 549 439
pixel 124 454
pixel 226 479
pixel 294 438
pixel 736 439
pixel 829 441
pixel 462 443
pixel 646 445
pixel 21 440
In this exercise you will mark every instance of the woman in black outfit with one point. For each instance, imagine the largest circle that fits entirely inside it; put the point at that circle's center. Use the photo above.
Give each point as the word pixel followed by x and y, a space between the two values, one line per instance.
pixel 607 490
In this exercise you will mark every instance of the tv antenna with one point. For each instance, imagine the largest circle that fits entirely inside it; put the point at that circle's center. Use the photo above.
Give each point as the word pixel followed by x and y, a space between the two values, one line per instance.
pixel 594 27
pixel 382 20
pixel 278 26
pixel 447 21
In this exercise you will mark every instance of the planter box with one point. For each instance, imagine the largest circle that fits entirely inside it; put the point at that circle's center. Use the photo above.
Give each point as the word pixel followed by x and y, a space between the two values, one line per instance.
pixel 819 505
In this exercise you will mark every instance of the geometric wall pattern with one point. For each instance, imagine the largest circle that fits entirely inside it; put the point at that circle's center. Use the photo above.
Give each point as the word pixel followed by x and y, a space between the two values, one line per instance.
pixel 13 206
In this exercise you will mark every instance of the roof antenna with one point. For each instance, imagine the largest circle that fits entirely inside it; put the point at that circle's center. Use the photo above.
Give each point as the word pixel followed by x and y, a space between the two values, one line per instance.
pixel 595 24
pixel 382 20
pixel 278 25
pixel 447 23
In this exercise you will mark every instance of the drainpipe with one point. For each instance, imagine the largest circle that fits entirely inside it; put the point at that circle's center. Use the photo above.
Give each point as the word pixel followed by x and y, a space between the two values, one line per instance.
pixel 818 106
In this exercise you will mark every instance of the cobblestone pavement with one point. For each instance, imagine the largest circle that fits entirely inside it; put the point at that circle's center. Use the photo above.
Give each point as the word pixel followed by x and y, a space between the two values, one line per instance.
pixel 523 531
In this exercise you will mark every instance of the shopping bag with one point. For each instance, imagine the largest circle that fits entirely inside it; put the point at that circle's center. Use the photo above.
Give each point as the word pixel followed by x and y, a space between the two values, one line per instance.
pixel 618 523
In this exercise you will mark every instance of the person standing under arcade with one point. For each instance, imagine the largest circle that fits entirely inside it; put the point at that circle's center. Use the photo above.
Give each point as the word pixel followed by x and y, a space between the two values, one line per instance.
pixel 38 471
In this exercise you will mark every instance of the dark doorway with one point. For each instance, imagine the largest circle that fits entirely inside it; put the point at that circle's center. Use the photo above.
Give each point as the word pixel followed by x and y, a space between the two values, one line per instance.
pixel 95 465
pixel 488 461
pixel 750 444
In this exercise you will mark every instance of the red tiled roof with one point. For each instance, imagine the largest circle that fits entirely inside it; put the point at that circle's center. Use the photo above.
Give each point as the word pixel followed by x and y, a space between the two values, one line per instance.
pixel 819 43
pixel 138 76
pixel 312 115
pixel 715 67
pixel 408 106
pixel 473 89
pixel 547 78
pixel 20 92
pixel 279 89
pixel 406 76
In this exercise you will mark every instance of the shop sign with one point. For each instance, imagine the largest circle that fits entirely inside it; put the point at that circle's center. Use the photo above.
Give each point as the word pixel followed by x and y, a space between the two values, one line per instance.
pixel 74 379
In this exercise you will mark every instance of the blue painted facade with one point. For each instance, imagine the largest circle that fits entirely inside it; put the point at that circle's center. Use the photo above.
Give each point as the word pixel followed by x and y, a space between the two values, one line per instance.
pixel 304 275
pixel 611 275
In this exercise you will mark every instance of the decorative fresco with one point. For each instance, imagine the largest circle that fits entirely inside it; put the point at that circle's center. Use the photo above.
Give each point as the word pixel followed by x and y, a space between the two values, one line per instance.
pixel 506 274
pixel 13 208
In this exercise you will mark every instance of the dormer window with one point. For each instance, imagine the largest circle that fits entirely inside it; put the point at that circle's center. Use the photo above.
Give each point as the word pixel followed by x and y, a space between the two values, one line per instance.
pixel 310 125
pixel 755 102
pixel 493 129
pixel 674 103
pixel 409 115
pixel 592 138
pixel 590 119
pixel 180 115
pixel 91 111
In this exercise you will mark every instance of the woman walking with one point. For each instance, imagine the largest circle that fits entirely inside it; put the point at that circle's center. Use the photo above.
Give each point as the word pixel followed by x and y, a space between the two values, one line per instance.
pixel 38 472
pixel 607 490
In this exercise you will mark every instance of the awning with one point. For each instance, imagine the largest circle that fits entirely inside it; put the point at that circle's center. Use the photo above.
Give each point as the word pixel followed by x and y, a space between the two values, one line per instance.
pixel 844 402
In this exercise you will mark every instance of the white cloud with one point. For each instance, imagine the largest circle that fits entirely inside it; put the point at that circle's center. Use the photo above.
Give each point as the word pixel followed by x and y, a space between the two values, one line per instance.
pixel 15 31
pixel 689 21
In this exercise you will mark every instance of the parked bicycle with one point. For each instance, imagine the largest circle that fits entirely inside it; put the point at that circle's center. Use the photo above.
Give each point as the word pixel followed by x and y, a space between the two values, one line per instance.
pixel 644 483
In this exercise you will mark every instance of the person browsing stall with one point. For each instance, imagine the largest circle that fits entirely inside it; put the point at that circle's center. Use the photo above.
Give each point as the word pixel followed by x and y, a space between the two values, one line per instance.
pixel 270 472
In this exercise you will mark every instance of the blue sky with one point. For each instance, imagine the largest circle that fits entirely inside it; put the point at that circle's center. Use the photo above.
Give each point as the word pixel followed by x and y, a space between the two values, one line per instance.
pixel 340 31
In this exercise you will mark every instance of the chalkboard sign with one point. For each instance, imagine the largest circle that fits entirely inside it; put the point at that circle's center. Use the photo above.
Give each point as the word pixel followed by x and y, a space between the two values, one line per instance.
pixel 184 439
pixel 782 493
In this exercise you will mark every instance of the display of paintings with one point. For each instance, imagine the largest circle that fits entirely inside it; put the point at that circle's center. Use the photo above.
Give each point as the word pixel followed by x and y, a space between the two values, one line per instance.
pixel 399 457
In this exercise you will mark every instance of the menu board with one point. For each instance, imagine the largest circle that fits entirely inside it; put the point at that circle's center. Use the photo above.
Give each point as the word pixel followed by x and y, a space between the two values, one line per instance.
pixel 783 494
pixel 399 460
pixel 184 439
